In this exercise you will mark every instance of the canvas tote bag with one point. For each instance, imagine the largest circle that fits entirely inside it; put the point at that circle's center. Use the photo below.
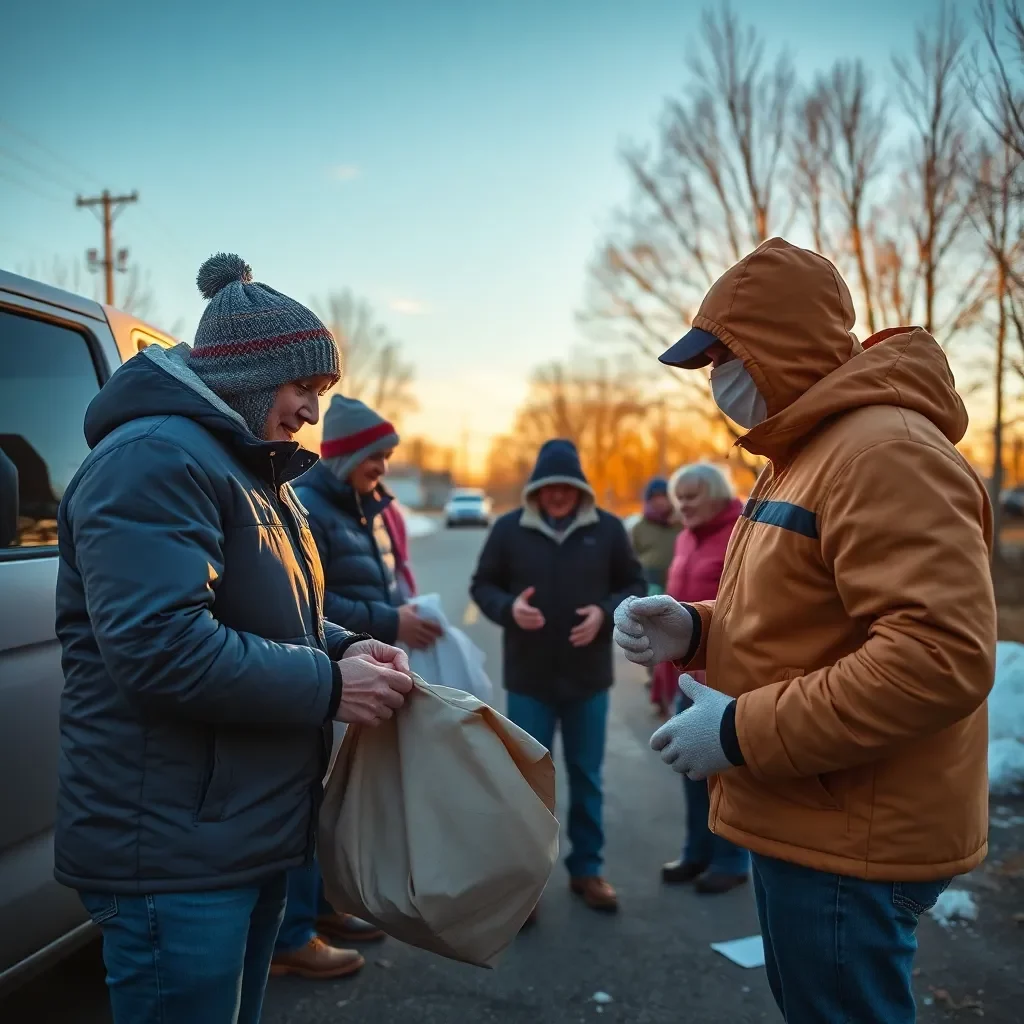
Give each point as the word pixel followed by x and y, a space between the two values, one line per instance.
pixel 438 826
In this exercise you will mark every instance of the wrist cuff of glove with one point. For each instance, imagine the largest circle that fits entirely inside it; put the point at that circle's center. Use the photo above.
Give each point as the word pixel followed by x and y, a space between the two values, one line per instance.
pixel 695 635
pixel 728 738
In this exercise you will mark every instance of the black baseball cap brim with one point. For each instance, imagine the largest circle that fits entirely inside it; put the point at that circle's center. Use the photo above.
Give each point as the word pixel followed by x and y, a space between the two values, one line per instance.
pixel 690 351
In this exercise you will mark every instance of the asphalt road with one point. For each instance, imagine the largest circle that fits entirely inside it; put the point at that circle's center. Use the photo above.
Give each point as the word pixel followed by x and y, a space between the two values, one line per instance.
pixel 653 959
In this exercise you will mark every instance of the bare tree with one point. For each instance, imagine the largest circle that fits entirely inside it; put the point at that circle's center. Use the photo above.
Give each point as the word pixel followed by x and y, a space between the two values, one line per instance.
pixel 852 131
pixel 137 296
pixel 935 193
pixel 706 194
pixel 373 368
pixel 811 160
pixel 994 75
pixel 623 437
pixel 69 275
pixel 998 216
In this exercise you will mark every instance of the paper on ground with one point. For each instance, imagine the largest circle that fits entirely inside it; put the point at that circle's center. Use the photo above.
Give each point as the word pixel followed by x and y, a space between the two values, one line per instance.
pixel 748 952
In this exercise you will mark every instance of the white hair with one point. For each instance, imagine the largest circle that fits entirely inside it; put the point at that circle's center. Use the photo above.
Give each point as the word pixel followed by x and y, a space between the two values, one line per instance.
pixel 715 480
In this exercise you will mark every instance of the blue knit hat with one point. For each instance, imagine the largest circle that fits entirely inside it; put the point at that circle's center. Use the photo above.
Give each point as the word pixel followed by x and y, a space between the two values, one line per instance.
pixel 657 485
pixel 558 462
pixel 252 339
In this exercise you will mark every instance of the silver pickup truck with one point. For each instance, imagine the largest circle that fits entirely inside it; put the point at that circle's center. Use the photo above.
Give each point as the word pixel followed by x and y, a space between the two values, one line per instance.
pixel 56 350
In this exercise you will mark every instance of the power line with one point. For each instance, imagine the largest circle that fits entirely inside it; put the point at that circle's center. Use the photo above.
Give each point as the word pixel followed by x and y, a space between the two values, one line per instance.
pixel 37 169
pixel 30 187
pixel 111 206
pixel 78 172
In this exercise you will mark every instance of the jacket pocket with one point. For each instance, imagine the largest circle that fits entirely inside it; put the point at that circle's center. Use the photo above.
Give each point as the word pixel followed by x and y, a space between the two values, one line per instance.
pixel 809 790
pixel 215 784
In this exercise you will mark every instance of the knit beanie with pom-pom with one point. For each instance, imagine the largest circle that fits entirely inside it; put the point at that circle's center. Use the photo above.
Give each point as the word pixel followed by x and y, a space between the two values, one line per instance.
pixel 252 339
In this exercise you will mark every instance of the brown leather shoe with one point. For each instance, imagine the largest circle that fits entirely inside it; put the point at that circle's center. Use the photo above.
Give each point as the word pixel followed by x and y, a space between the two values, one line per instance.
pixel 596 893
pixel 712 883
pixel 317 960
pixel 347 928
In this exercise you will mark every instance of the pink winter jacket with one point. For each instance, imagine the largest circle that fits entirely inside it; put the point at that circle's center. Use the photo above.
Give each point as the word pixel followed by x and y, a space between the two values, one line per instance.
pixel 693 575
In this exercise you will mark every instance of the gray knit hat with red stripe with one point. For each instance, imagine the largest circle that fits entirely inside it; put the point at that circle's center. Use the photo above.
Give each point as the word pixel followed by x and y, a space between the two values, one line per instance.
pixel 252 339
pixel 353 432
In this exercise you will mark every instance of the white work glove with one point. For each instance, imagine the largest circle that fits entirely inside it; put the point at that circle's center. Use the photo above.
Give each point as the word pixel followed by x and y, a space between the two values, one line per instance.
pixel 691 742
pixel 653 629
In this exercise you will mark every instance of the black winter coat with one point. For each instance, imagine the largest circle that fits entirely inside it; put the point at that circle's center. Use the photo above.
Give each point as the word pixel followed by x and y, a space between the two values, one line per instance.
pixel 361 590
pixel 593 563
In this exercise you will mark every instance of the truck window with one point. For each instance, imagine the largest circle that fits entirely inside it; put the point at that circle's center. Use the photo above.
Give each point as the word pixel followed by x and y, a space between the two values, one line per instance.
pixel 47 379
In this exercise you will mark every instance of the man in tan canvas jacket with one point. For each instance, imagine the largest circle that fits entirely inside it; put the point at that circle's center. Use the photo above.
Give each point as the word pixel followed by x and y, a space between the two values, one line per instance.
pixel 851 648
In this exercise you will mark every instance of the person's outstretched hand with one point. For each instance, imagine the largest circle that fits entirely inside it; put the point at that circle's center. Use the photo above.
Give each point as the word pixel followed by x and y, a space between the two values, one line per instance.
pixel 584 633
pixel 653 629
pixel 525 615
pixel 375 679
pixel 414 631
pixel 691 742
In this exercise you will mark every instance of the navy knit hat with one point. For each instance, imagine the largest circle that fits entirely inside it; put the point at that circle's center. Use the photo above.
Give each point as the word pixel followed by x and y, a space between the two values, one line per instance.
pixel 657 485
pixel 252 339
pixel 353 432
pixel 558 462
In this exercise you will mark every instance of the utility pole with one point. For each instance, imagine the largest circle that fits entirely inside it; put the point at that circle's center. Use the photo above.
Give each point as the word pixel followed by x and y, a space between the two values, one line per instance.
pixel 111 206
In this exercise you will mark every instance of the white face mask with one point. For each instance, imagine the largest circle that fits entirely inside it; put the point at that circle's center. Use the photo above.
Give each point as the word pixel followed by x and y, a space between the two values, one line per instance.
pixel 736 394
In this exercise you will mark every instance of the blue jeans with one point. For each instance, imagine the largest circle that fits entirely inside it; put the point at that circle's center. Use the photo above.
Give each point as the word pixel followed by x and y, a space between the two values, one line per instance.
pixel 702 846
pixel 839 950
pixel 584 726
pixel 188 958
pixel 306 902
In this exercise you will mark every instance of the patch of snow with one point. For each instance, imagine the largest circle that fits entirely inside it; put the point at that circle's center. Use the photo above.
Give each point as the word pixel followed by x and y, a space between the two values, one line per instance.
pixel 419 525
pixel 954 905
pixel 1006 721
pixel 1002 818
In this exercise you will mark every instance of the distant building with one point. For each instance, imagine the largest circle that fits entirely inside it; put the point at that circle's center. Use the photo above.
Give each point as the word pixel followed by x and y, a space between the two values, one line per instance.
pixel 425 490
pixel 437 488
pixel 405 484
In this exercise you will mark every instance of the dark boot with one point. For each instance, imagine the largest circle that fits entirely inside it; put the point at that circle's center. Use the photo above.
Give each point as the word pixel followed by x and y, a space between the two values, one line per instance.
pixel 679 872
pixel 713 883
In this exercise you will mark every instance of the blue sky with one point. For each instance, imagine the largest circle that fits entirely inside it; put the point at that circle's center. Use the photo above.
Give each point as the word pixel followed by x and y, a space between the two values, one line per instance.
pixel 454 162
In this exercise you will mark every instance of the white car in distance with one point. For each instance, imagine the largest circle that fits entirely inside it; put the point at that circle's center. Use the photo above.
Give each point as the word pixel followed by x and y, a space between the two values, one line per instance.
pixel 468 506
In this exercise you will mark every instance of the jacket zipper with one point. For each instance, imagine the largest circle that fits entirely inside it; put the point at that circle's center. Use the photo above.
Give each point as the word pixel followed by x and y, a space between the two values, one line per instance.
pixel 295 535
pixel 287 515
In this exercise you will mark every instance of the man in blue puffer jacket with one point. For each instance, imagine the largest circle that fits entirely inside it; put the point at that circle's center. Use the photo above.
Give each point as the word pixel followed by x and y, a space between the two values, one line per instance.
pixel 201 677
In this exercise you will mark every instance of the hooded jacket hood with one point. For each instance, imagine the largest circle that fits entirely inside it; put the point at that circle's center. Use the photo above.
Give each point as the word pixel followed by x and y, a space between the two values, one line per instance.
pixel 159 382
pixel 788 315
pixel 558 462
